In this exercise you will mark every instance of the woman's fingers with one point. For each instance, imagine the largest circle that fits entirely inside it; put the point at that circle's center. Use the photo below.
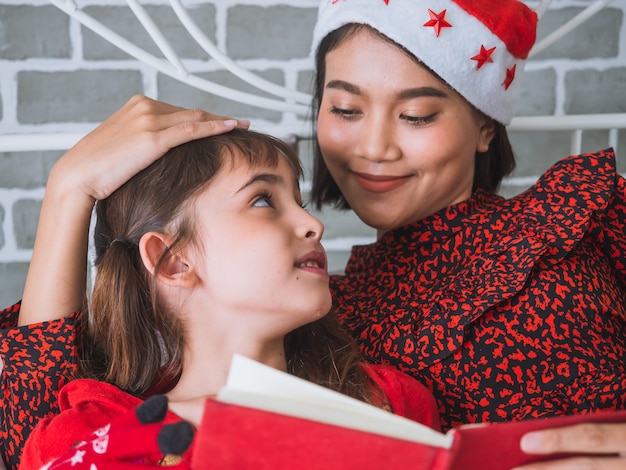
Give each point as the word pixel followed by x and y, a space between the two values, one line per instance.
pixel 605 444
pixel 587 437
pixel 148 114
pixel 130 140
pixel 579 463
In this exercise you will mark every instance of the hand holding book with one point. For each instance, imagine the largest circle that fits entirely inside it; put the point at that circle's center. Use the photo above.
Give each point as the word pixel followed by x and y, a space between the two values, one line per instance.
pixel 605 441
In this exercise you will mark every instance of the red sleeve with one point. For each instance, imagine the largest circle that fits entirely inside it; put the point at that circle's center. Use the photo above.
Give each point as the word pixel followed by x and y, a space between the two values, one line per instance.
pixel 9 316
pixel 613 221
pixel 407 397
pixel 37 360
pixel 86 405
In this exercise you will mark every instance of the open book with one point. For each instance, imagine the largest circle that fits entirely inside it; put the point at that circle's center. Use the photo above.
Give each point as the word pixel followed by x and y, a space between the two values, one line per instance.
pixel 264 418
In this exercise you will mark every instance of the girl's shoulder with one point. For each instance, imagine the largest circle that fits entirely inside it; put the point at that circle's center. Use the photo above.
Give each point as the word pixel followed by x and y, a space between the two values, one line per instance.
pixel 406 396
pixel 86 405
pixel 80 393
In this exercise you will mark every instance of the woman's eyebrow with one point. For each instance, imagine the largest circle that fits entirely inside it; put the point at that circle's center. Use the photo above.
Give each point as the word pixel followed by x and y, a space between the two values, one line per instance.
pixel 342 85
pixel 421 92
pixel 409 93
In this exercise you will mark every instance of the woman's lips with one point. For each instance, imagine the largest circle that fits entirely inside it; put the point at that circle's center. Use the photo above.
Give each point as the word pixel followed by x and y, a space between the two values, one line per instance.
pixel 379 183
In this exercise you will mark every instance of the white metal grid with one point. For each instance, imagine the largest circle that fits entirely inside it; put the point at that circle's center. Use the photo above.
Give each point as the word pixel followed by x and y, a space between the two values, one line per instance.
pixel 286 100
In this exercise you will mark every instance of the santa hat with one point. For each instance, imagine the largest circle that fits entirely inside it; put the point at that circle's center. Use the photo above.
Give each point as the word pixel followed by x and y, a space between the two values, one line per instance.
pixel 479 47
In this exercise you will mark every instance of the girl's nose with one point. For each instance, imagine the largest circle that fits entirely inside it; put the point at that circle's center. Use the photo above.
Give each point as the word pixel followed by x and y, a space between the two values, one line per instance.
pixel 310 227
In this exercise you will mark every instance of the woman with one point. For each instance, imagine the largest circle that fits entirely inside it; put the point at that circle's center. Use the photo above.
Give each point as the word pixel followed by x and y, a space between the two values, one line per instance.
pixel 506 310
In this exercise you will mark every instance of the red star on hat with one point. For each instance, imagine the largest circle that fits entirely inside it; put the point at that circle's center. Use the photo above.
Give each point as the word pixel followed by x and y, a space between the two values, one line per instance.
pixel 483 56
pixel 510 76
pixel 438 21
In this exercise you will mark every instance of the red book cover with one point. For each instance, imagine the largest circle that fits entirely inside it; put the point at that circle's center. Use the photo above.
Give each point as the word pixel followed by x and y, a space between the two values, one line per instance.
pixel 266 419
pixel 233 437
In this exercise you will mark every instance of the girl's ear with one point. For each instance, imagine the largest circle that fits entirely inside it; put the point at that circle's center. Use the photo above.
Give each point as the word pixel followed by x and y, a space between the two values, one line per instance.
pixel 175 270
pixel 487 133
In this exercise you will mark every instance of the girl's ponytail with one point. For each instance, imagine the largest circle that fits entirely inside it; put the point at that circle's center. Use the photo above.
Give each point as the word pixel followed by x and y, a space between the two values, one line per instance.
pixel 124 327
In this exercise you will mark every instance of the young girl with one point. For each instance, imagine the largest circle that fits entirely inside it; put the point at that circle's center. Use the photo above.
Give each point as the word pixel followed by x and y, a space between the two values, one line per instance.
pixel 39 356
pixel 204 254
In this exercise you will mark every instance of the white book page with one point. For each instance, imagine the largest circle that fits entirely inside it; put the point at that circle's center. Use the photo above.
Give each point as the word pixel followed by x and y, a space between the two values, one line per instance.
pixel 259 386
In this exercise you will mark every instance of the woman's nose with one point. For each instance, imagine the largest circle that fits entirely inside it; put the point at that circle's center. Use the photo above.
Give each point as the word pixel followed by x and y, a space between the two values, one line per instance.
pixel 377 142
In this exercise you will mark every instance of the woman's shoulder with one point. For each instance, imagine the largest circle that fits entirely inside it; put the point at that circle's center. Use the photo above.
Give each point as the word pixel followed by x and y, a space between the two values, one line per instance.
pixel 36 361
pixel 585 182
pixel 9 316
pixel 565 203
pixel 31 350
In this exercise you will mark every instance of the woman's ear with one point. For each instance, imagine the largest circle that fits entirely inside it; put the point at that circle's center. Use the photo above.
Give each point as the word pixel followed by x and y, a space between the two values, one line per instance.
pixel 487 133
pixel 174 269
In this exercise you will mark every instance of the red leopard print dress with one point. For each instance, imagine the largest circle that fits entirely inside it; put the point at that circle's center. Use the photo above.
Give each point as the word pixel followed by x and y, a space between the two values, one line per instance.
pixel 37 360
pixel 505 309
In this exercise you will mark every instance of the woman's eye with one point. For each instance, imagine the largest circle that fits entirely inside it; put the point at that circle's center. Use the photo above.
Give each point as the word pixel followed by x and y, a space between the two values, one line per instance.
pixel 418 120
pixel 344 113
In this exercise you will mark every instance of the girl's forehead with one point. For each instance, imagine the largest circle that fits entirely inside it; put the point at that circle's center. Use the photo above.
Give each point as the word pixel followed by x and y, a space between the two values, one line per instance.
pixel 274 162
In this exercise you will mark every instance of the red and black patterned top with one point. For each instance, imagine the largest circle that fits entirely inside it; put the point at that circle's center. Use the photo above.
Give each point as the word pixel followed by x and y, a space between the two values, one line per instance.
pixel 505 309
pixel 37 360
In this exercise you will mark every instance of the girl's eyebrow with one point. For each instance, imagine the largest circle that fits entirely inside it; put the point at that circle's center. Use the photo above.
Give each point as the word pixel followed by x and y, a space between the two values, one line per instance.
pixel 269 178
pixel 409 93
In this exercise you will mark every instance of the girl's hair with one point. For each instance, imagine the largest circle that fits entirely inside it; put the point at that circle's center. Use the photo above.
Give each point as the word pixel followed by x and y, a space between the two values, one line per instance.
pixel 134 341
pixel 490 167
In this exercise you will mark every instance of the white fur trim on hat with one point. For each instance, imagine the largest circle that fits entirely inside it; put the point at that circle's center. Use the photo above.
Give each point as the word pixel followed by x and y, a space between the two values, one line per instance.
pixel 479 47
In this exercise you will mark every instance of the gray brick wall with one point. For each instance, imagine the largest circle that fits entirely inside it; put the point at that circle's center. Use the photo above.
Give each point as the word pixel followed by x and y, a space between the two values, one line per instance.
pixel 57 76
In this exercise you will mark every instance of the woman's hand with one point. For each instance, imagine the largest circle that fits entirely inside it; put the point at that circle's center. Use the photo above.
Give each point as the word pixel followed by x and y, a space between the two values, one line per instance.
pixel 130 140
pixel 605 440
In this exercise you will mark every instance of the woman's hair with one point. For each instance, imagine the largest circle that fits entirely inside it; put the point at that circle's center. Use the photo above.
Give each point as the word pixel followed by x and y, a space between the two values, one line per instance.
pixel 489 169
pixel 133 340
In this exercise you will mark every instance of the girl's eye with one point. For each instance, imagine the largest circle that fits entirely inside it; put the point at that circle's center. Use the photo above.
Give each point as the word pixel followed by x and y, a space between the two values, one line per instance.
pixel 344 113
pixel 305 206
pixel 418 120
pixel 263 200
